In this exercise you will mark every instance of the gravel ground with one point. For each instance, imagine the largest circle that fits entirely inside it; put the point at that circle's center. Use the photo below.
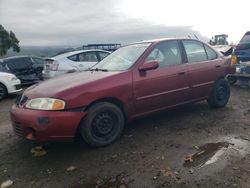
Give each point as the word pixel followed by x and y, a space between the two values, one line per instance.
pixel 215 143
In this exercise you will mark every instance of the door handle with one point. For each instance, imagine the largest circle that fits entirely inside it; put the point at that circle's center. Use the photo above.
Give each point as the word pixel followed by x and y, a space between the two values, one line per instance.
pixel 181 73
pixel 217 66
pixel 80 65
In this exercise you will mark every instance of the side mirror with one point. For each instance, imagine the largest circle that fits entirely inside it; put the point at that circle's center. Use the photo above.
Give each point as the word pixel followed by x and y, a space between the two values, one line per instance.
pixel 150 65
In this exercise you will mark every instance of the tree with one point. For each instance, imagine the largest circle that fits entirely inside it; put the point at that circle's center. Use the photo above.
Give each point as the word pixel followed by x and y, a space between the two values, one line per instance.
pixel 8 40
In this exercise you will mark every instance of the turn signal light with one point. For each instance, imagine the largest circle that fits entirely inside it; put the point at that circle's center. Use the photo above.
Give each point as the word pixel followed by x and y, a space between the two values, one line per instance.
pixel 234 60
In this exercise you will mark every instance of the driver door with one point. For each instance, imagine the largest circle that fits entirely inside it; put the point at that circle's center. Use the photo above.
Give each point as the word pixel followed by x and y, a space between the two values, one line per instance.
pixel 165 86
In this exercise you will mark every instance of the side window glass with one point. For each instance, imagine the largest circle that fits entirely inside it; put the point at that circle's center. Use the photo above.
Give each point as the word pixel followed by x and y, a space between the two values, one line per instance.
pixel 37 60
pixel 2 68
pixel 167 54
pixel 103 55
pixel 195 51
pixel 210 53
pixel 88 57
pixel 73 58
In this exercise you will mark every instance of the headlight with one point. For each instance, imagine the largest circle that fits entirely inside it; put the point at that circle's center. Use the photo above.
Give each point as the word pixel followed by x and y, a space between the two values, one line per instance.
pixel 11 77
pixel 45 104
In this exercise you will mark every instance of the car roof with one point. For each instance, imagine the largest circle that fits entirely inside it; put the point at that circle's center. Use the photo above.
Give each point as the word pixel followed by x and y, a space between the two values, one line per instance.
pixel 67 54
pixel 20 56
pixel 164 39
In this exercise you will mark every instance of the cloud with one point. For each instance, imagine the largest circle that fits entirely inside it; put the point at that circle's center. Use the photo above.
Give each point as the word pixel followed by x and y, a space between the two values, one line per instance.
pixel 75 22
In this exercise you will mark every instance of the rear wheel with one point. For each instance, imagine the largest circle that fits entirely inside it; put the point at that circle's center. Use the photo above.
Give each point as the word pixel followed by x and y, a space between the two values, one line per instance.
pixel 220 94
pixel 103 125
pixel 3 91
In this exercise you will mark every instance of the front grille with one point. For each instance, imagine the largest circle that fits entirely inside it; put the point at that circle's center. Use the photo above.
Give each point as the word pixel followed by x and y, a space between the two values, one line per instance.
pixel 18 86
pixel 17 129
pixel 21 100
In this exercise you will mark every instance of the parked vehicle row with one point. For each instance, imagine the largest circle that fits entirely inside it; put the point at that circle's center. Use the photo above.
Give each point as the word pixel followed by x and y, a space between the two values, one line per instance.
pixel 134 81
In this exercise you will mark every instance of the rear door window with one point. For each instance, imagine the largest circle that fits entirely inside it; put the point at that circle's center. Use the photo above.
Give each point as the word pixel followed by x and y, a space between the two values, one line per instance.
pixel 211 54
pixel 88 57
pixel 195 51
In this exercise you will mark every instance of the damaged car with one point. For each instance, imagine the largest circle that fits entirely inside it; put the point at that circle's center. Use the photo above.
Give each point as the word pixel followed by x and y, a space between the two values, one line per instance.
pixel 134 81
pixel 26 68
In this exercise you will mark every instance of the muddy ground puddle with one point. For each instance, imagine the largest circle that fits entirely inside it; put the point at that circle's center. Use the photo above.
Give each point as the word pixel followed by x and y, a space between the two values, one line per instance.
pixel 218 152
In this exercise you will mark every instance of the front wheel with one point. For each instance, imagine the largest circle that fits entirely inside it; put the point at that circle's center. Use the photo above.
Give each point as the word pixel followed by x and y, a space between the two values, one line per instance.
pixel 220 94
pixel 103 125
pixel 3 91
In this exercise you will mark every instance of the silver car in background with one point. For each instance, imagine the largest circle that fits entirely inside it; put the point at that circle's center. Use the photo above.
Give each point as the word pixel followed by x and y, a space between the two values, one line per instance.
pixel 74 61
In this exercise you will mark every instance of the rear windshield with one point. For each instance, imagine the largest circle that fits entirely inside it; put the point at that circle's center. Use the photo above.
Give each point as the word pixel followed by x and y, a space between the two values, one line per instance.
pixel 19 63
pixel 246 37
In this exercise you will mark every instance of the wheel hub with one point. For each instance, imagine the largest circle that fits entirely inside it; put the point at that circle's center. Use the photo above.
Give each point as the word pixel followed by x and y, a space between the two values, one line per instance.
pixel 221 93
pixel 103 124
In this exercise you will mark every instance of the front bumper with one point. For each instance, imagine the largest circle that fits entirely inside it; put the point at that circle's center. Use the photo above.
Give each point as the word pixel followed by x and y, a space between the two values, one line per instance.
pixel 14 87
pixel 45 125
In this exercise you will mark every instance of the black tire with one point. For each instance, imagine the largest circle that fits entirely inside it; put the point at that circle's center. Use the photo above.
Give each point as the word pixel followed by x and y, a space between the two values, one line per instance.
pixel 232 80
pixel 3 91
pixel 103 125
pixel 220 94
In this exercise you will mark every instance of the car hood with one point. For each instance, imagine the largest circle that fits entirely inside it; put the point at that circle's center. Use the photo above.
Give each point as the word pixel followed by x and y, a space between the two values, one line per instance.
pixel 6 74
pixel 55 86
pixel 222 48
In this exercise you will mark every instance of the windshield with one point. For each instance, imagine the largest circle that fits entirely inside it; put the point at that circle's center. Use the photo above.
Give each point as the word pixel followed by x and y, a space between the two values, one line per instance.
pixel 123 58
pixel 246 37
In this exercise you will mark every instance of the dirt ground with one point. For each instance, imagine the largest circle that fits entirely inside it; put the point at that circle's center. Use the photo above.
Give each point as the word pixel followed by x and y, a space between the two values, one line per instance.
pixel 151 153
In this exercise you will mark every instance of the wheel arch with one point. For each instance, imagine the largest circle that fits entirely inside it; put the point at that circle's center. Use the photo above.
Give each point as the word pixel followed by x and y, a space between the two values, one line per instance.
pixel 5 86
pixel 111 100
pixel 114 101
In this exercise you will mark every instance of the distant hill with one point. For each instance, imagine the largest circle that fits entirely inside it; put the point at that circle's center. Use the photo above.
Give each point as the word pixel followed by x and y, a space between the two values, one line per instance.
pixel 39 51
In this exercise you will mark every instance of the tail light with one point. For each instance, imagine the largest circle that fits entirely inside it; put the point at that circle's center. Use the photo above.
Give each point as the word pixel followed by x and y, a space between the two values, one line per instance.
pixel 54 67
pixel 233 60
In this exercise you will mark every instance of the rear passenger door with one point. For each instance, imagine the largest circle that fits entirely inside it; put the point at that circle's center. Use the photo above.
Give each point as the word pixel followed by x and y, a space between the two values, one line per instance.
pixel 204 67
pixel 87 60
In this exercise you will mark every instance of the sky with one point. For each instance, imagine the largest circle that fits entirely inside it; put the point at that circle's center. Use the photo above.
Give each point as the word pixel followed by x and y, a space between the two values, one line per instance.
pixel 78 22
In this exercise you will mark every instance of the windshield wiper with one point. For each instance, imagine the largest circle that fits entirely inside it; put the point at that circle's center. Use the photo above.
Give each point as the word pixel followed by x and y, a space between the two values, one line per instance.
pixel 97 69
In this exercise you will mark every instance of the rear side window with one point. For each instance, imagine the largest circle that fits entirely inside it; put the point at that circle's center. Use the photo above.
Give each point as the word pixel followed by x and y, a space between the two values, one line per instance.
pixel 167 54
pixel 246 37
pixel 210 53
pixel 195 51
pixel 73 58
pixel 88 57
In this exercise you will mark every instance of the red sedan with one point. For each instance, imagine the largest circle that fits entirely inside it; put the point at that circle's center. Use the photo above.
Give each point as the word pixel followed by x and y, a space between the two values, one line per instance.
pixel 134 81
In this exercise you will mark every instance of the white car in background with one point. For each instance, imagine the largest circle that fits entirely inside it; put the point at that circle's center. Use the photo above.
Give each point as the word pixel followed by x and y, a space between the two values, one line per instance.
pixel 72 62
pixel 9 83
